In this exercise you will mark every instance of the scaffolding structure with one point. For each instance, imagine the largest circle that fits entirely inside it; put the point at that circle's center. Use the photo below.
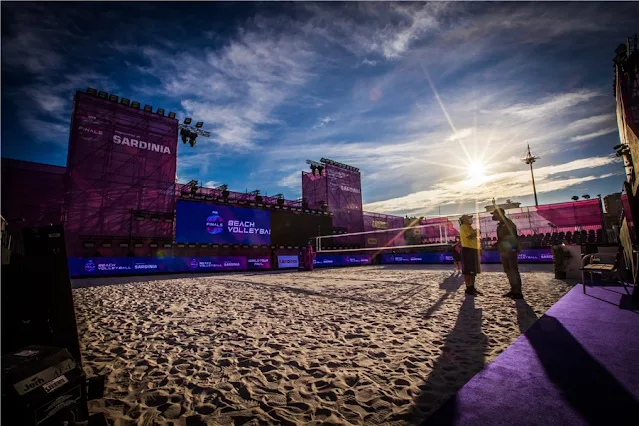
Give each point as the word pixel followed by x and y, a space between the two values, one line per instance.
pixel 120 171
pixel 315 190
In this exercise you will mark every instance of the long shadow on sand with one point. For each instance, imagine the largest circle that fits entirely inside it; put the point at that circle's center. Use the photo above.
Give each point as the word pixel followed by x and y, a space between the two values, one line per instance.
pixel 462 357
pixel 526 315
pixel 585 384
pixel 451 285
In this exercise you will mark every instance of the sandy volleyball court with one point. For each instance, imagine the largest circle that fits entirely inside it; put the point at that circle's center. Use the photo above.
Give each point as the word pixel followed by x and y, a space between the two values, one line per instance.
pixel 364 345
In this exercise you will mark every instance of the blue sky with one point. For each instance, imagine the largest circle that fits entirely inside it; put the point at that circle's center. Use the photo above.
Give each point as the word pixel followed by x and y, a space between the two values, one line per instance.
pixel 411 93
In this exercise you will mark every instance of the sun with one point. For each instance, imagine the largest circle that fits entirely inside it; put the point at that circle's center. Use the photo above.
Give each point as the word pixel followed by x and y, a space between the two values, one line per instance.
pixel 476 172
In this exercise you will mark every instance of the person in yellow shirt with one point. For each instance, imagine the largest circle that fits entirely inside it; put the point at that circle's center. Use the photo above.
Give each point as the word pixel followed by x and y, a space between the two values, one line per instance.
pixel 470 253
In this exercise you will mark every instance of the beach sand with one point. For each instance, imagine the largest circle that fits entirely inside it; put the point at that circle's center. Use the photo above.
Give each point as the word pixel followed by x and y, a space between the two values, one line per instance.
pixel 361 345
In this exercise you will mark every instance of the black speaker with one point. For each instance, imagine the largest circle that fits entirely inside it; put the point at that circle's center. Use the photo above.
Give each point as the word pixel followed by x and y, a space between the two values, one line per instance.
pixel 37 302
pixel 43 386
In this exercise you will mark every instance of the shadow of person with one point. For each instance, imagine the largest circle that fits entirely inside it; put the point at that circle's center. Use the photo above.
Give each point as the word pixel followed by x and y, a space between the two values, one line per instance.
pixel 462 357
pixel 585 384
pixel 451 285
pixel 526 315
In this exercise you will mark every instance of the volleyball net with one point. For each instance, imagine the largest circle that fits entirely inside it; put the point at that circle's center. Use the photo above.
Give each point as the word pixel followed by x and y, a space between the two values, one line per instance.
pixel 381 240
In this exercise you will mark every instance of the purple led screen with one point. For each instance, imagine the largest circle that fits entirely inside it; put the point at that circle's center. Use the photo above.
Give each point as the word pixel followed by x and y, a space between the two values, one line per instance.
pixel 345 202
pixel 314 190
pixel 380 223
pixel 120 159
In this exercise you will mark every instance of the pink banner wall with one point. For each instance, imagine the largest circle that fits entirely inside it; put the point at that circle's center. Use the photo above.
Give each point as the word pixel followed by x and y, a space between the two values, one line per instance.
pixel 120 158
pixel 562 217
pixel 380 222
pixel 345 201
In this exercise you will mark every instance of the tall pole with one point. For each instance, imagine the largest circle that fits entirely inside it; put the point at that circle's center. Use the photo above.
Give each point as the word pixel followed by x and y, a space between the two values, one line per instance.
pixel 530 159
pixel 532 175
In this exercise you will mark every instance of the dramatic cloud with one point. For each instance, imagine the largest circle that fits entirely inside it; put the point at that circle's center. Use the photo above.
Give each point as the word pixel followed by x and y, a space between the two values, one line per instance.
pixel 411 93
pixel 501 185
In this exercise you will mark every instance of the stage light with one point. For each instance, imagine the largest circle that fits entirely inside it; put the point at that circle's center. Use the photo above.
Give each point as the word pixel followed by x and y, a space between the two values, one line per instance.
pixel 125 101
pixel 91 91
pixel 160 112
pixel 138 245
pixel 89 244
pixel 171 115
pixel 184 135
pixel 187 120
pixel 616 147
pixel 192 139
pixel 103 95
pixel 153 245
pixel 124 245
pixel 148 108
pixel 199 124
pixel 139 217
pixel 113 98
pixel 135 104
pixel 155 218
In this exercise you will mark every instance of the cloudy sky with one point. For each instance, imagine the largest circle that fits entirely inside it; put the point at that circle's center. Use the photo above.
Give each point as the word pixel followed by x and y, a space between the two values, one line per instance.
pixel 434 102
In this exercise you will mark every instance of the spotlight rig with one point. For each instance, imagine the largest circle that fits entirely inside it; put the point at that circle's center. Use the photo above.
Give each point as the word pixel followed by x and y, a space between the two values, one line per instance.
pixel 189 134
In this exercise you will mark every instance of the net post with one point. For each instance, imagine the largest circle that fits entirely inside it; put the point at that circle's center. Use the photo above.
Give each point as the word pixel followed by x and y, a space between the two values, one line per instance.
pixel 446 230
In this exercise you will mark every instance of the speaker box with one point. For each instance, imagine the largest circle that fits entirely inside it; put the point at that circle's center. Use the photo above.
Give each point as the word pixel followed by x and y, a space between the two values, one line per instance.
pixel 43 386
pixel 37 302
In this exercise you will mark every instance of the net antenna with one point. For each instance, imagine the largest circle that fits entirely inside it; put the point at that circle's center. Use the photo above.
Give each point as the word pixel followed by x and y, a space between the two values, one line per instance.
pixel 443 239
pixel 189 133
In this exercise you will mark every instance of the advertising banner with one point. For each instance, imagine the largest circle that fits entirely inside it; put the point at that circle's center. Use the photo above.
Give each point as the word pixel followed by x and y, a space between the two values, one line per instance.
pixel 327 260
pixel 104 266
pixel 217 224
pixel 526 256
pixel 120 159
pixel 258 263
pixel 345 202
pixel 286 262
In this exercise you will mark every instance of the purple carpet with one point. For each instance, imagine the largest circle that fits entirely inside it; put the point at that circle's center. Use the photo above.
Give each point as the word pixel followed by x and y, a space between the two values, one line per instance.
pixel 577 365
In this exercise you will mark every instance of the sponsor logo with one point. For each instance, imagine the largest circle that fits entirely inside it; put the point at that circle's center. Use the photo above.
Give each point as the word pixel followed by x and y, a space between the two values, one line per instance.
pixel 349 189
pixel 32 384
pixel 379 224
pixel 55 384
pixel 89 130
pixel 214 224
pixel 246 227
pixel 135 143
pixel 231 264
pixel 194 263
pixel 89 266
pixel 288 261
pixel 144 266
pixel 372 241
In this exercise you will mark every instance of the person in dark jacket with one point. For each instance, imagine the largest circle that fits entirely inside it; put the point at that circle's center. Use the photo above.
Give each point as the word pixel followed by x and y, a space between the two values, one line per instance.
pixel 508 247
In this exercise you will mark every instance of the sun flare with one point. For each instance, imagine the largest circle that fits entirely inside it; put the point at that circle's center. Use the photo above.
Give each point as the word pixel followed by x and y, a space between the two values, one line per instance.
pixel 476 172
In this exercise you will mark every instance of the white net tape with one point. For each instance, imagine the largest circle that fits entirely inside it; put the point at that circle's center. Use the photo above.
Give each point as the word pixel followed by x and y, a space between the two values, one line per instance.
pixel 430 235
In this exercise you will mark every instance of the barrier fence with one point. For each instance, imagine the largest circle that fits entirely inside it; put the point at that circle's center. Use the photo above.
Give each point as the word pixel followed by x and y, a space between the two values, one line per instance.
pixel 103 266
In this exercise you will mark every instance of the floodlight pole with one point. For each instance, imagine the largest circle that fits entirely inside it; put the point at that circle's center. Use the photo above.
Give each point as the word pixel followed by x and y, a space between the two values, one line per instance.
pixel 530 159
